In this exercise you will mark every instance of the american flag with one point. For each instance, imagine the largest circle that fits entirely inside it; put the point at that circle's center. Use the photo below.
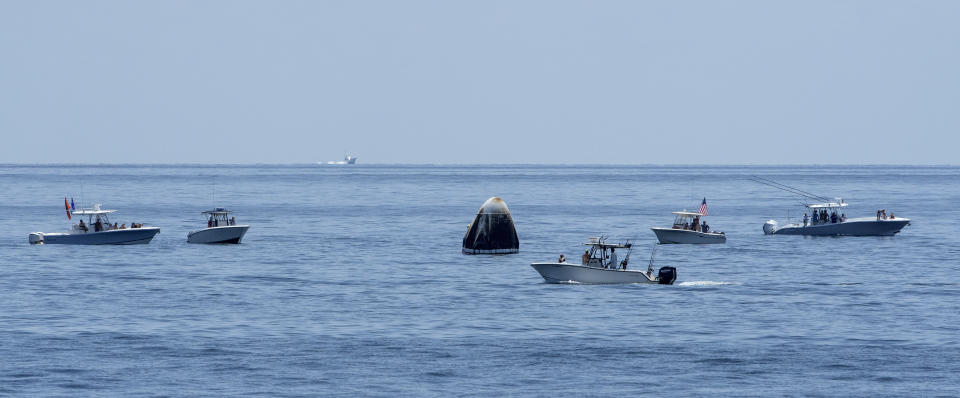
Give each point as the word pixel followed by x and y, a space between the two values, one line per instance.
pixel 703 207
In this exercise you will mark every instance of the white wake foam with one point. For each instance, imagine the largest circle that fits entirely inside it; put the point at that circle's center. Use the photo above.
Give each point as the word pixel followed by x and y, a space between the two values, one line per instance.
pixel 704 283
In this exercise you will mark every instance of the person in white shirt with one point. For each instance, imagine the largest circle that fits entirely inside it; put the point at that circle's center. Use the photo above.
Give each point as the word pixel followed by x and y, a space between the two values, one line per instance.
pixel 613 260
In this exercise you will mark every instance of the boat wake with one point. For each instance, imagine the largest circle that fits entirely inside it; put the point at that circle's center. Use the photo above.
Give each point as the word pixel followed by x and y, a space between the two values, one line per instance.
pixel 705 283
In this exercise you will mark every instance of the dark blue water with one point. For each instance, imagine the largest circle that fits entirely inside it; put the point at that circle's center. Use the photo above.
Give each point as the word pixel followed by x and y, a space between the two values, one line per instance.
pixel 351 282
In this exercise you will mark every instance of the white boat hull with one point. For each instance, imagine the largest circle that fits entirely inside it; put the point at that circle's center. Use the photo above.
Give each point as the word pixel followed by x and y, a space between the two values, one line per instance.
pixel 684 236
pixel 865 226
pixel 225 234
pixel 132 236
pixel 573 273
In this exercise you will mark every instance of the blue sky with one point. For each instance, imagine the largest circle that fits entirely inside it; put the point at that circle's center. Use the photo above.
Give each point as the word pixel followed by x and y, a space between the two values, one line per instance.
pixel 665 82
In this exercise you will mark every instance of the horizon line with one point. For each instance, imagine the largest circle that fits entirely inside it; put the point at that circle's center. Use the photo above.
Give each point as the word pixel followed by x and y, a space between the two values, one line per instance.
pixel 199 164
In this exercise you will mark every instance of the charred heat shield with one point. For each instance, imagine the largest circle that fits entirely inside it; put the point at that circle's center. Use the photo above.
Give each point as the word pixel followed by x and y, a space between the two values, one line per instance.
pixel 492 230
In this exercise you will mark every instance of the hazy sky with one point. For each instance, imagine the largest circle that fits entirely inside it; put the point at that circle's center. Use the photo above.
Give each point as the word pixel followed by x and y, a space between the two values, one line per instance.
pixel 480 82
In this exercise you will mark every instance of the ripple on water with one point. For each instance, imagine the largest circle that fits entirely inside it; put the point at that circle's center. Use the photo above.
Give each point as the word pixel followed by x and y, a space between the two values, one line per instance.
pixel 354 284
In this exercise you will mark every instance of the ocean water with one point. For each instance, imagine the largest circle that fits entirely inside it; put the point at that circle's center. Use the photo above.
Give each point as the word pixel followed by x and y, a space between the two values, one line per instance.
pixel 351 282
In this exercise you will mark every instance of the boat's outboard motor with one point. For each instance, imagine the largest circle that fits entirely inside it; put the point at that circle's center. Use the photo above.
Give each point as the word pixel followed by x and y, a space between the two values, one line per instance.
pixel 36 238
pixel 667 275
pixel 769 227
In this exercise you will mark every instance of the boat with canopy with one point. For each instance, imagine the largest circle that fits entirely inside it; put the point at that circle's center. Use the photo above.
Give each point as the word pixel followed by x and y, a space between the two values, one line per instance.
pixel 600 265
pixel 688 229
pixel 221 228
pixel 827 218
pixel 96 231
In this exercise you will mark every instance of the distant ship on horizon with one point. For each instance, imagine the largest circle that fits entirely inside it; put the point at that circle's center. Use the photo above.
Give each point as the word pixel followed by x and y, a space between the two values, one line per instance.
pixel 346 160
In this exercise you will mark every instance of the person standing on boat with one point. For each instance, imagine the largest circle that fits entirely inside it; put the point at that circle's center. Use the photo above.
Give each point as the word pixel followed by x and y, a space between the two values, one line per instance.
pixel 585 258
pixel 805 219
pixel 613 259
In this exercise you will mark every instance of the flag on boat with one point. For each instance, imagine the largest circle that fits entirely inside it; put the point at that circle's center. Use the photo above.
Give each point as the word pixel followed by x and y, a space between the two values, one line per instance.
pixel 67 205
pixel 703 207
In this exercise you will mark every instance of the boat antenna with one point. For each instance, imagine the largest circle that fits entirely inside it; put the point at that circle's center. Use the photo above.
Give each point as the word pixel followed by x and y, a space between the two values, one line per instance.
pixel 787 188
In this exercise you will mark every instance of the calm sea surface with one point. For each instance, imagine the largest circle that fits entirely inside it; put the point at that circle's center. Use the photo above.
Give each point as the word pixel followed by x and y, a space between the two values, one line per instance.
pixel 351 282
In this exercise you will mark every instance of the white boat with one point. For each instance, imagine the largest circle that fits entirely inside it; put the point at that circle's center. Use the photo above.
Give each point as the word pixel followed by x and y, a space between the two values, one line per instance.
pixel 597 267
pixel 220 228
pixel 837 225
pixel 687 229
pixel 827 218
pixel 346 160
pixel 97 231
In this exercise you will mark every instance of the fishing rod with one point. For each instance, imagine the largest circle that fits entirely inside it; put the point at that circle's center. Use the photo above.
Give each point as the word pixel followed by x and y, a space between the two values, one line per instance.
pixel 787 188
pixel 652 255
pixel 626 259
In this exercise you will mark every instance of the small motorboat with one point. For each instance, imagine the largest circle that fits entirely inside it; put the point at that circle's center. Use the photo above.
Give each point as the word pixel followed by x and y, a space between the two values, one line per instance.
pixel 220 228
pixel 828 219
pixel 96 231
pixel 687 229
pixel 826 222
pixel 599 265
pixel 346 160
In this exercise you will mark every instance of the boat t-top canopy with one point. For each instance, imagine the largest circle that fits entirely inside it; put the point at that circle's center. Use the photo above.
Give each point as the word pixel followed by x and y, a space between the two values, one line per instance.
pixel 609 245
pixel 95 211
pixel 830 205
pixel 687 214
pixel 216 211
pixel 85 212
pixel 599 242
pixel 218 216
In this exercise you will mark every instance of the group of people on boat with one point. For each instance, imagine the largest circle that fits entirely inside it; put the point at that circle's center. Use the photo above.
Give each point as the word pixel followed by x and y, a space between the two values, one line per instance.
pixel 696 225
pixel 611 263
pixel 823 217
pixel 213 222
pixel 99 226
pixel 882 215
